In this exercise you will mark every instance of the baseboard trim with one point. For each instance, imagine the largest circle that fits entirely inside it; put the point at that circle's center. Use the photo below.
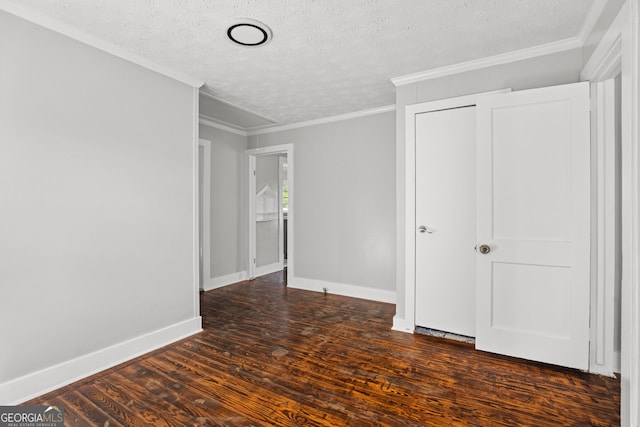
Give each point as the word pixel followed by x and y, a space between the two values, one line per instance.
pixel 21 389
pixel 616 361
pixel 229 279
pixel 343 289
pixel 268 269
pixel 402 325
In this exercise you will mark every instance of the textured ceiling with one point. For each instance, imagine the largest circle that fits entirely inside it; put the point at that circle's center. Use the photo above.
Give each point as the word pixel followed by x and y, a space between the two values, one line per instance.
pixel 327 57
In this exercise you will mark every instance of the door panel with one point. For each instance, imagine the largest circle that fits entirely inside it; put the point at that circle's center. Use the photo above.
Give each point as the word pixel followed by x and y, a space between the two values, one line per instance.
pixel 528 202
pixel 533 188
pixel 445 205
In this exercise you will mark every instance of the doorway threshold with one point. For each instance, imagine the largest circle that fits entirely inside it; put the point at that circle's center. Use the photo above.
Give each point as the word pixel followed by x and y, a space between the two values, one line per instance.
pixel 444 334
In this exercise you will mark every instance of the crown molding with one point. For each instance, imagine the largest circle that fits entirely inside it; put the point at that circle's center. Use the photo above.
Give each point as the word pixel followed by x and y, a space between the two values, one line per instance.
pixel 323 120
pixel 490 61
pixel 214 123
pixel 65 29
pixel 237 107
pixel 608 54
pixel 592 18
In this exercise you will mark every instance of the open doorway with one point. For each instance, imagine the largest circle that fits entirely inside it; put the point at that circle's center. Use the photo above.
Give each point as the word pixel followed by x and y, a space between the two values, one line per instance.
pixel 270 211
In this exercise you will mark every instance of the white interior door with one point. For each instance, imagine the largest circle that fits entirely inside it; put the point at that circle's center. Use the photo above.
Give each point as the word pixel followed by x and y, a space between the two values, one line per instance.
pixel 446 220
pixel 533 188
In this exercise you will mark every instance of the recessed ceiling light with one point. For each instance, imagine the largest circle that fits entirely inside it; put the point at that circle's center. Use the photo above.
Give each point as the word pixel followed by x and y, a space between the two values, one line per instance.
pixel 249 32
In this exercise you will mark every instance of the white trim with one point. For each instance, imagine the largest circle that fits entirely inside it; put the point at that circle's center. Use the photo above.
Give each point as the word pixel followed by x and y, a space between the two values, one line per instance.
pixel 38 383
pixel 195 144
pixel 619 45
pixel 490 61
pixel 251 217
pixel 630 334
pixel 400 324
pixel 81 36
pixel 410 194
pixel 607 57
pixel 267 269
pixel 205 205
pixel 237 107
pixel 347 116
pixel 592 18
pixel 344 289
pixel 281 162
pixel 603 227
pixel 219 124
pixel 250 156
pixel 209 121
pixel 229 279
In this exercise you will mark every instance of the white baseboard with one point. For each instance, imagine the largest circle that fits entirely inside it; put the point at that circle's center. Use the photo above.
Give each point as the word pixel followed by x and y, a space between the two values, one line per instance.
pixel 344 289
pixel 21 389
pixel 229 279
pixel 402 325
pixel 268 269
pixel 616 362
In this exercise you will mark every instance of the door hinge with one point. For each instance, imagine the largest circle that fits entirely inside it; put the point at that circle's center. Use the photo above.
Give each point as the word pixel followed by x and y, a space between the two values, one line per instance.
pixel 254 260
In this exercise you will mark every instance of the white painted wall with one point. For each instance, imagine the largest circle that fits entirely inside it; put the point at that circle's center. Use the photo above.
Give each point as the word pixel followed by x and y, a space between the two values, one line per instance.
pixel 345 202
pixel 548 70
pixel 228 202
pixel 97 204
pixel 267 232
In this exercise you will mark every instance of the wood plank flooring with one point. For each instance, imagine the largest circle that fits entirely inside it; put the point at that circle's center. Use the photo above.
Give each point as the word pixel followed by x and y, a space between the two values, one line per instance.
pixel 274 356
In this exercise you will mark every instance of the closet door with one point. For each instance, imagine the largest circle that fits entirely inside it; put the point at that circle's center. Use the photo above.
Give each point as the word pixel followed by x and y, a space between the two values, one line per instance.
pixel 446 219
pixel 533 193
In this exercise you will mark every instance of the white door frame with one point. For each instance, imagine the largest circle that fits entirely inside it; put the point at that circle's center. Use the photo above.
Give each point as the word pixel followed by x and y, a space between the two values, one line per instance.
pixel 205 205
pixel 280 213
pixel 618 51
pixel 603 359
pixel 251 155
pixel 410 196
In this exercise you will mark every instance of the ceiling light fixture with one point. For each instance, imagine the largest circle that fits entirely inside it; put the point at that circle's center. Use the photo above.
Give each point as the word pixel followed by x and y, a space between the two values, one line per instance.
pixel 249 32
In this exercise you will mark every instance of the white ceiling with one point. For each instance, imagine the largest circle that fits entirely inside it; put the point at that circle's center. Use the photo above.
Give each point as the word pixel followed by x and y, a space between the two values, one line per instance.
pixel 327 57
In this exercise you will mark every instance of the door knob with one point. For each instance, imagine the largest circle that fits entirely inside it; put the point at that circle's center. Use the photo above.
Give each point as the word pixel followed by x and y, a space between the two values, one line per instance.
pixel 484 249
pixel 424 229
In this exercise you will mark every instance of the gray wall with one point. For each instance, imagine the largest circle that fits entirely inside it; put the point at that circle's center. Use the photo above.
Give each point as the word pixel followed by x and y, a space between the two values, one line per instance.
pixel 228 201
pixel 267 232
pixel 549 70
pixel 96 184
pixel 344 199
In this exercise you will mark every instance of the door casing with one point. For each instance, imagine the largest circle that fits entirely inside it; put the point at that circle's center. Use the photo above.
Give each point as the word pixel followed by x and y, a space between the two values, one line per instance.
pixel 205 208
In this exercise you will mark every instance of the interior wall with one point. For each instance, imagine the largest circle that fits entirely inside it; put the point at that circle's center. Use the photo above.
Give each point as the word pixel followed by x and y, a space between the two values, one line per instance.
pixel 228 201
pixel 267 229
pixel 96 177
pixel 549 70
pixel 344 200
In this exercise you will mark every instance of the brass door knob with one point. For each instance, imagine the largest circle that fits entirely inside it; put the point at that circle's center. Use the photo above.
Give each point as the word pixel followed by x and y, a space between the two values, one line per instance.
pixel 484 249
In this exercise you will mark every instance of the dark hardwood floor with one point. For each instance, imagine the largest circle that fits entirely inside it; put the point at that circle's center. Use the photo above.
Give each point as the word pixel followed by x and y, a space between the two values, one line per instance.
pixel 274 356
